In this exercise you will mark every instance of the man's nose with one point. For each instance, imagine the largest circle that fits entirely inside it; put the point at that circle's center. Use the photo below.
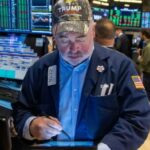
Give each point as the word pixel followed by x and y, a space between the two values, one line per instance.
pixel 74 46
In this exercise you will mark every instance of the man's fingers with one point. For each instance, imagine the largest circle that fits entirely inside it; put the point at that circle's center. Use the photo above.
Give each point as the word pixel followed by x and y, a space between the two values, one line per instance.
pixel 48 133
pixel 45 127
pixel 53 131
pixel 54 123
pixel 55 119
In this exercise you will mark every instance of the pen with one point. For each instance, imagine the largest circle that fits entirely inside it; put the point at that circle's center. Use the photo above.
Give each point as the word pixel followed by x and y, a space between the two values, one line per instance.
pixel 61 130
pixel 66 134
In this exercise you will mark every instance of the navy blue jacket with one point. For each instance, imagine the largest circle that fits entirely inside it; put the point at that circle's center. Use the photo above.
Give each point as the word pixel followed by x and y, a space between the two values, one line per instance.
pixel 121 120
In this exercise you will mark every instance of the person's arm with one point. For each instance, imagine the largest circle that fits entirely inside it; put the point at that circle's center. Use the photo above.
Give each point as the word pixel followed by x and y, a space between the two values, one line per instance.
pixel 23 108
pixel 133 124
pixel 30 120
pixel 26 129
pixel 145 59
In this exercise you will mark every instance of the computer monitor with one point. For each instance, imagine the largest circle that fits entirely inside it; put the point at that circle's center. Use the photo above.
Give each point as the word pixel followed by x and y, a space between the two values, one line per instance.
pixel 15 56
pixel 126 17
pixel 26 16
pixel 99 13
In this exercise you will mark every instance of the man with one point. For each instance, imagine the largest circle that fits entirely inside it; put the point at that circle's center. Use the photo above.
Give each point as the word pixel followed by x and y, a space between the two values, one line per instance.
pixel 105 32
pixel 122 43
pixel 145 60
pixel 82 91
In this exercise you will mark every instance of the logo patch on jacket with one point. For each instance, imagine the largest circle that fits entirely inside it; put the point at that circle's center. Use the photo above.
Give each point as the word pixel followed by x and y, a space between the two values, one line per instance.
pixel 137 82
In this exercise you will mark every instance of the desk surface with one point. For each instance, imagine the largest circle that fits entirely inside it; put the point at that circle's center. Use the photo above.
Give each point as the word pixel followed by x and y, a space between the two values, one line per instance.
pixel 19 145
pixel 66 145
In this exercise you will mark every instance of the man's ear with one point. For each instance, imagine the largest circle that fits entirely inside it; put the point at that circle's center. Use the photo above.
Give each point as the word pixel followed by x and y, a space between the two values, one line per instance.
pixel 54 29
pixel 93 29
pixel 94 25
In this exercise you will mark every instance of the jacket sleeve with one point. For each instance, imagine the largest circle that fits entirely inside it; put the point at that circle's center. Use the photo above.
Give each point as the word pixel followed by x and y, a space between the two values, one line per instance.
pixel 23 108
pixel 133 124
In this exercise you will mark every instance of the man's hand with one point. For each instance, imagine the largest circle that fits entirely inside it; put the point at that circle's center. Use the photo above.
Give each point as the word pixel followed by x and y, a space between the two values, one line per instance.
pixel 44 128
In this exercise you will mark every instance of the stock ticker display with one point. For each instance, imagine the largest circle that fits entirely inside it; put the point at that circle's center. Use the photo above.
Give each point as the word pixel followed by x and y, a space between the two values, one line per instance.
pixel 27 16
pixel 126 17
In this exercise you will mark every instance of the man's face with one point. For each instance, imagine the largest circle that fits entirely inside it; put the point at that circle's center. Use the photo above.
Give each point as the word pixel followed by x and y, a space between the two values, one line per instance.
pixel 75 47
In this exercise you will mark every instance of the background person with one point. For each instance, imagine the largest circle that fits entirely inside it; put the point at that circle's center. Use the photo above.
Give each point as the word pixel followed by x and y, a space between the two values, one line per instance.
pixel 122 43
pixel 105 33
pixel 82 90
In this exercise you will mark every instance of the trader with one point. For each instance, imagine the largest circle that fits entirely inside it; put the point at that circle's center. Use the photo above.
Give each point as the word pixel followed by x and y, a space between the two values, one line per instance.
pixel 82 91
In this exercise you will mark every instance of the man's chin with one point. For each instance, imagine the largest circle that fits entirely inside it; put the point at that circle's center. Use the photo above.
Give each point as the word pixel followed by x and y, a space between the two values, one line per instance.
pixel 74 62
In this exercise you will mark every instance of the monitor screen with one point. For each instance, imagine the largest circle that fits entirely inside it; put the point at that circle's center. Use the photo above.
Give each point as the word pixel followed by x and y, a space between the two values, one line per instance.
pixel 99 13
pixel 126 17
pixel 15 56
pixel 26 16
pixel 66 144
pixel 146 20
